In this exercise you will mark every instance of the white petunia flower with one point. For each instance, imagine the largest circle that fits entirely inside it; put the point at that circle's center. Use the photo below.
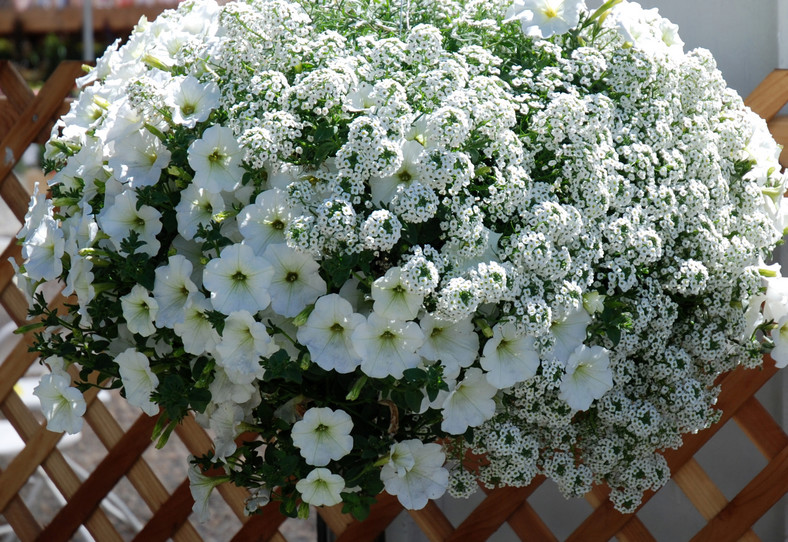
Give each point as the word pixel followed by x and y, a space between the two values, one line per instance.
pixel 139 310
pixel 201 487
pixel 588 377
pixel 172 290
pixel 454 345
pixel 243 345
pixel 40 206
pixel 327 334
pixel 196 332
pixel 321 488
pixel 196 208
pixel 43 251
pixel 139 159
pixel 238 280
pixel 191 101
pixel 776 302
pixel 295 279
pixel 264 222
pixel 139 381
pixel 62 405
pixel 569 333
pixel 385 188
pixel 225 422
pixel 508 357
pixel 323 435
pixel 216 160
pixel 780 337
pixel 415 473
pixel 224 390
pixel 469 404
pixel 392 299
pixel 387 347
pixel 543 18
pixel 122 217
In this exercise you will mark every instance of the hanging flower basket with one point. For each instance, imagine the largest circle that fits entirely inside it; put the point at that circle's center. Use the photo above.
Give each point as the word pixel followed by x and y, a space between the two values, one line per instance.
pixel 362 239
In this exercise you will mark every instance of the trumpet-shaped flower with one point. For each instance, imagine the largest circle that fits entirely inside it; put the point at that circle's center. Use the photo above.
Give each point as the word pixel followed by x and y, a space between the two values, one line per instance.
pixel 62 405
pixel 216 160
pixel 201 487
pixel 323 435
pixel 569 333
pixel 196 208
pixel 139 311
pixel 588 376
pixel 392 299
pixel 264 222
pixel 321 487
pixel 139 381
pixel 415 473
pixel 172 289
pixel 191 101
pixel 225 422
pixel 139 160
pixel 196 331
pixel 455 345
pixel 780 337
pixel 469 404
pixel 509 357
pixel 543 18
pixel 122 217
pixel 43 250
pixel 387 347
pixel 243 345
pixel 327 334
pixel 238 280
pixel 295 279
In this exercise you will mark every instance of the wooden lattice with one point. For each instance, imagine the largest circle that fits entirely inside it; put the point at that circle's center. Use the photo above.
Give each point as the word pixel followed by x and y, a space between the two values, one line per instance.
pixel 25 117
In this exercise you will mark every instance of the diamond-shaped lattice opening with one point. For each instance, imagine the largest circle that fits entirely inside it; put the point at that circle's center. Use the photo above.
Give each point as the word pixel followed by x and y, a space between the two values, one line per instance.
pixel 561 515
pixel 300 530
pixel 29 170
pixel 221 522
pixel 730 459
pixel 670 501
pixel 772 525
pixel 771 396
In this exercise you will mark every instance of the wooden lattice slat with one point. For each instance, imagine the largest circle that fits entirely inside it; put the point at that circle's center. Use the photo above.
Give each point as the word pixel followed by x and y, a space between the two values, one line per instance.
pixel 25 117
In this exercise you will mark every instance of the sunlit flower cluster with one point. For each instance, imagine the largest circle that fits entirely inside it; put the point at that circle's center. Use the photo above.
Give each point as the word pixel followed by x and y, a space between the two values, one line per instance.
pixel 358 238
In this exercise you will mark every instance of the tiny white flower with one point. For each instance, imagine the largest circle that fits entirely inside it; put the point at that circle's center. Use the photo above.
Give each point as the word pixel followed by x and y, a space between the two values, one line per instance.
pixel 216 160
pixel 588 377
pixel 139 381
pixel 392 299
pixel 323 435
pixel 243 345
pixel 469 404
pixel 415 473
pixel 321 488
pixel 327 334
pixel 191 101
pixel 140 310
pixel 62 405
pixel 238 280
pixel 387 347
pixel 172 289
pixel 295 279
pixel 508 357
pixel 454 345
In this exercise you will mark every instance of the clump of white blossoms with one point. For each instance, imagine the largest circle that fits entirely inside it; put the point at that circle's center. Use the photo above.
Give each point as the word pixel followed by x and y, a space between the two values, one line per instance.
pixel 358 238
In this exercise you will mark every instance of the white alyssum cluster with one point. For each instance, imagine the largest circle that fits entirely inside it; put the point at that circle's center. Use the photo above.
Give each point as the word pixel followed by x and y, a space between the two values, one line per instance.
pixel 392 230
